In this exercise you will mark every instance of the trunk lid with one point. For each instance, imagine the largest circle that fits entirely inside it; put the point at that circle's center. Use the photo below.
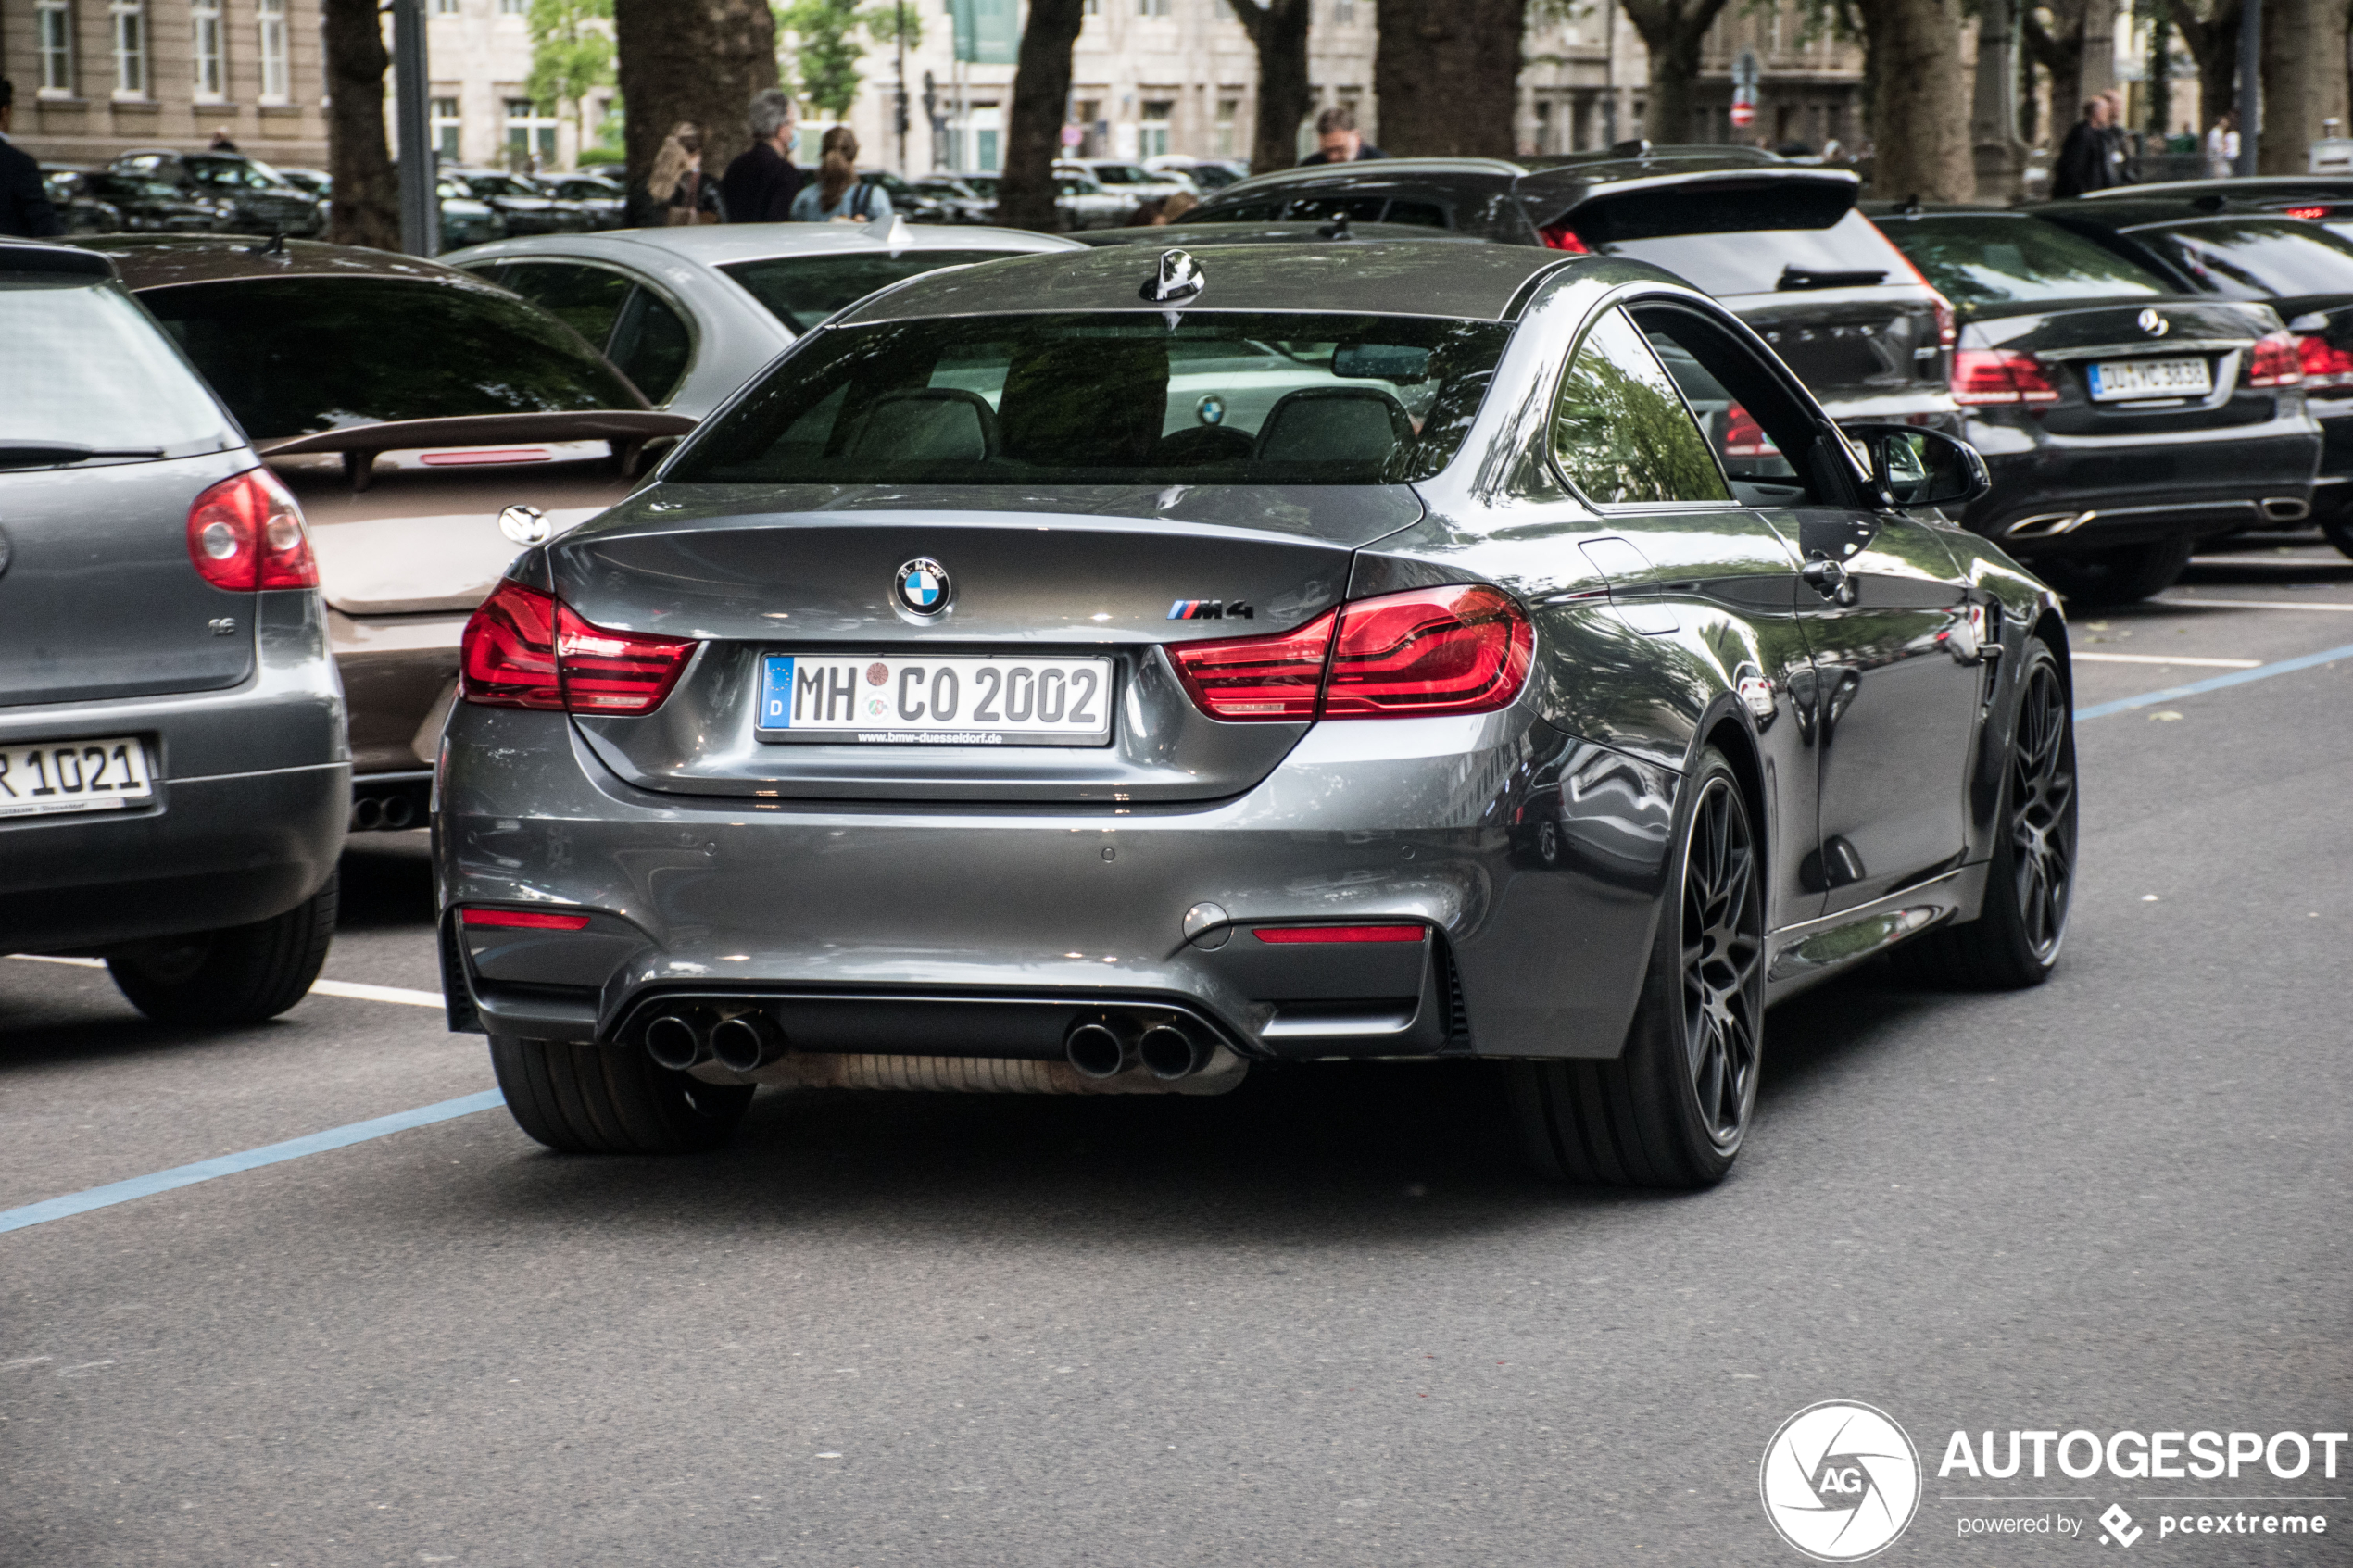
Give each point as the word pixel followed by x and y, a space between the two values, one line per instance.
pixel 2071 341
pixel 1850 344
pixel 1061 572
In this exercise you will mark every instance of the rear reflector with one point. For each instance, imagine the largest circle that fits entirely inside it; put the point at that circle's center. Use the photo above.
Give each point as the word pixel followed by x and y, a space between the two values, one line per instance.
pixel 524 920
pixel 1281 933
pixel 525 649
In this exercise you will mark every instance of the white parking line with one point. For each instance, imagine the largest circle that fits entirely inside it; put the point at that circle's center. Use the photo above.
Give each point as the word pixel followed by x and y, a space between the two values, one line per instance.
pixel 2163 658
pixel 318 987
pixel 2250 604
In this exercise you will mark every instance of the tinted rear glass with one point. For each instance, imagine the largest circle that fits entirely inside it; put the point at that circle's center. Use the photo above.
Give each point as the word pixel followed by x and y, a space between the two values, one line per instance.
pixel 291 355
pixel 2256 258
pixel 1753 260
pixel 106 378
pixel 801 291
pixel 1110 399
pixel 1995 259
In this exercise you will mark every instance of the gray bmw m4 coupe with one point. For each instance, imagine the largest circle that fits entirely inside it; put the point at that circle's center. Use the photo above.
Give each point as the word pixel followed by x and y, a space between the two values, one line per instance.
pixel 1107 672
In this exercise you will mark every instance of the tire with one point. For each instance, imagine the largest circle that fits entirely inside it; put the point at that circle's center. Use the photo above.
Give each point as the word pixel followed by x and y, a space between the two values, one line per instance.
pixel 2014 942
pixel 2119 574
pixel 2338 531
pixel 1672 1110
pixel 595 1100
pixel 244 975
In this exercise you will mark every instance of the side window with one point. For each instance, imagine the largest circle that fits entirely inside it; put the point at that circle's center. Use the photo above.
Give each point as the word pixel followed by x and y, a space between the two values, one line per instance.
pixel 1620 431
pixel 651 345
pixel 1323 209
pixel 1764 437
pixel 1421 215
pixel 588 299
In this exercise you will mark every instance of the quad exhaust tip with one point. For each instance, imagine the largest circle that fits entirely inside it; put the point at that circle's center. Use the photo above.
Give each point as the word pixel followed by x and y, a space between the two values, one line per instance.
pixel 2047 525
pixel 675 1042
pixel 744 1042
pixel 1100 1047
pixel 2286 508
pixel 1165 1047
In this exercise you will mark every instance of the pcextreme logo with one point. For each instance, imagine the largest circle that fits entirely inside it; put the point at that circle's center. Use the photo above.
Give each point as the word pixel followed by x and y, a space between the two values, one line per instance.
pixel 1840 1481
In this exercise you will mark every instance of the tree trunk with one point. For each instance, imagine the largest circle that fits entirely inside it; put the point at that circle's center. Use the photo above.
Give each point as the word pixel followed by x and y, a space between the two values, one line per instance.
pixel 2213 43
pixel 1919 119
pixel 1672 32
pixel 366 206
pixel 1041 102
pixel 1446 76
pixel 2303 79
pixel 1279 31
pixel 691 59
pixel 2060 51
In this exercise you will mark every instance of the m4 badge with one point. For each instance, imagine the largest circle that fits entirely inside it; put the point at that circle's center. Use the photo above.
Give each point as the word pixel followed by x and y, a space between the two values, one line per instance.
pixel 1211 609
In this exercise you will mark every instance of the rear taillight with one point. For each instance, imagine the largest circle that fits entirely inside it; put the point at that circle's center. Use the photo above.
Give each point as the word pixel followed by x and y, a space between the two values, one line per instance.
pixel 1459 649
pixel 524 919
pixel 2276 360
pixel 1744 437
pixel 246 532
pixel 524 648
pixel 1560 236
pixel 2323 363
pixel 1997 376
pixel 1319 934
pixel 2310 214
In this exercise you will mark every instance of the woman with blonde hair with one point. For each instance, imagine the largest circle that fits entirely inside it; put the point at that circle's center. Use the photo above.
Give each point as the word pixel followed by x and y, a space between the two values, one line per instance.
pixel 676 191
pixel 837 195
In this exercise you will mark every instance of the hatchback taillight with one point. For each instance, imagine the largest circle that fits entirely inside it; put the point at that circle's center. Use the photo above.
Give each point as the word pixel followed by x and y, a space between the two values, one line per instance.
pixel 2275 360
pixel 1998 375
pixel 1560 236
pixel 245 534
pixel 1464 648
pixel 524 648
pixel 2323 363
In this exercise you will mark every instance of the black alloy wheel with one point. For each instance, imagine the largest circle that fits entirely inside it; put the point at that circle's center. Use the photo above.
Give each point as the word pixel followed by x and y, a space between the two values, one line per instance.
pixel 1672 1110
pixel 2338 531
pixel 2119 574
pixel 2029 882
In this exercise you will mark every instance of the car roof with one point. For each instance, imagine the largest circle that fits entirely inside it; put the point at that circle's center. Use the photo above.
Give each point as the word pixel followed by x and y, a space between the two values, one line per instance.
pixel 1280 231
pixel 2258 186
pixel 1410 279
pixel 148 261
pixel 1557 185
pixel 716 245
pixel 20 257
pixel 2143 212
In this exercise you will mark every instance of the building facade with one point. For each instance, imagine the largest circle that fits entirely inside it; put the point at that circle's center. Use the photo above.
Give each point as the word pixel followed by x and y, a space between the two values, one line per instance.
pixel 478 55
pixel 95 78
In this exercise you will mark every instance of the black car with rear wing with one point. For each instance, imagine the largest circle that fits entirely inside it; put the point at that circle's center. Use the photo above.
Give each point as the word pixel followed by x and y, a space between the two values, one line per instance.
pixel 2213 245
pixel 1780 243
pixel 2121 416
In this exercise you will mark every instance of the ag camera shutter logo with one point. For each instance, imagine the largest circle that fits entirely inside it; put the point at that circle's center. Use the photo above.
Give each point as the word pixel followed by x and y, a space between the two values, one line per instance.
pixel 1840 1481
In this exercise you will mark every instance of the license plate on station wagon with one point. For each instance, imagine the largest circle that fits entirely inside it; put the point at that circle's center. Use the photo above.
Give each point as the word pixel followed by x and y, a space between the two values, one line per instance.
pixel 877 699
pixel 51 778
pixel 2112 378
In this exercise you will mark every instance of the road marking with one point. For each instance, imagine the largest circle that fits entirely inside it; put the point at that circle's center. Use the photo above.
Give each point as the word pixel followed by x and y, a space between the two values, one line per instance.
pixel 2164 658
pixel 319 987
pixel 2216 682
pixel 2249 604
pixel 252 1158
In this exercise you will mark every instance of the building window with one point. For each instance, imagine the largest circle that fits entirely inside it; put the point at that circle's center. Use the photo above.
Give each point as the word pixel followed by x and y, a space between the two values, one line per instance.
pixel 531 136
pixel 445 8
pixel 270 20
pixel 513 7
pixel 205 51
pixel 445 126
pixel 1344 12
pixel 53 33
pixel 130 19
pixel 1090 7
pixel 1230 112
pixel 1152 8
pixel 1151 139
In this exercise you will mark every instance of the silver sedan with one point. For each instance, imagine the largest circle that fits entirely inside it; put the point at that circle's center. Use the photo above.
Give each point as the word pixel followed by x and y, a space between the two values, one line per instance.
pixel 690 314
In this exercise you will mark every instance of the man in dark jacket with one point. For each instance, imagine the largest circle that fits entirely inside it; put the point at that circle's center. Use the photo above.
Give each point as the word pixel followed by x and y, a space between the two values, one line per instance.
pixel 24 202
pixel 760 183
pixel 1337 139
pixel 2089 159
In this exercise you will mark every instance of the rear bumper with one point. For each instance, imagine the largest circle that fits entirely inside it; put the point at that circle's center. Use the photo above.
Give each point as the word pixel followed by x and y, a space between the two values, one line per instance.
pixel 2062 496
pixel 920 914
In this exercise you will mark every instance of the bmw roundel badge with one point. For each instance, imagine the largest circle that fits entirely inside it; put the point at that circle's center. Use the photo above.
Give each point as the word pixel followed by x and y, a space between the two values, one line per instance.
pixel 924 588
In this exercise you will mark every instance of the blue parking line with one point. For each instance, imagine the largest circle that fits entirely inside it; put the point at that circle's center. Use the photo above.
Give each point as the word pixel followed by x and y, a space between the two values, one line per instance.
pixel 2235 678
pixel 230 1164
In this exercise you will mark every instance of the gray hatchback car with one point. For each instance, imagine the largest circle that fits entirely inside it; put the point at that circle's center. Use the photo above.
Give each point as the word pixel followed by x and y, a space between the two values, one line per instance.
pixel 174 772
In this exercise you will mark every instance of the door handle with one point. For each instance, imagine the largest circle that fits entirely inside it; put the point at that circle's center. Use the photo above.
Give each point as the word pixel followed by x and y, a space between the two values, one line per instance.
pixel 1828 579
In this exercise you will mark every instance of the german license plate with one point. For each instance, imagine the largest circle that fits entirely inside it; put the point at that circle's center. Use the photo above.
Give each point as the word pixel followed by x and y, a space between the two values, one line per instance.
pixel 875 699
pixel 52 778
pixel 2150 377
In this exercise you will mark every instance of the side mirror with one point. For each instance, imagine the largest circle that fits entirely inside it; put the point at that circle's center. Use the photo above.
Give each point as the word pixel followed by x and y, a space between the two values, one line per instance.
pixel 1915 467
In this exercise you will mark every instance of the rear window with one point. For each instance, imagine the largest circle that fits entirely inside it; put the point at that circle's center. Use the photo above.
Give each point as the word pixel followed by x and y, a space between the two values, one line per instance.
pixel 107 378
pixel 2256 258
pixel 1994 259
pixel 1110 399
pixel 801 291
pixel 1769 257
pixel 291 355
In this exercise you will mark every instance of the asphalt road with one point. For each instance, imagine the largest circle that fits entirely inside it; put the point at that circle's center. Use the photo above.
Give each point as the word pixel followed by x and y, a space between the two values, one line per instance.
pixel 1319 1321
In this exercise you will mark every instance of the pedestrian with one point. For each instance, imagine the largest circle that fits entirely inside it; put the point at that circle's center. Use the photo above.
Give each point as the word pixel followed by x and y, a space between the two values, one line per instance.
pixel 221 142
pixel 1175 206
pixel 676 192
pixel 837 195
pixel 24 202
pixel 2123 148
pixel 1337 139
pixel 2087 159
pixel 759 188
pixel 2223 146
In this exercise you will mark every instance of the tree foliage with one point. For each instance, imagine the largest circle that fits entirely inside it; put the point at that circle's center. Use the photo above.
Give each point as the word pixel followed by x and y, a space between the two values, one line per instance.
pixel 827 46
pixel 572 52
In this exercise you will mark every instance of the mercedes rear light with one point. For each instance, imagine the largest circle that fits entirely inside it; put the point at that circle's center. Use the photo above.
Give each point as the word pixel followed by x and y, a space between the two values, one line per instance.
pixel 1744 437
pixel 2322 362
pixel 1463 648
pixel 524 648
pixel 2276 360
pixel 1998 375
pixel 245 534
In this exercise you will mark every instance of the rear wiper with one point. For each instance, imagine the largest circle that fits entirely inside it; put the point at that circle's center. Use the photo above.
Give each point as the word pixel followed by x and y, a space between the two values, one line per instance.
pixel 1799 278
pixel 50 454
